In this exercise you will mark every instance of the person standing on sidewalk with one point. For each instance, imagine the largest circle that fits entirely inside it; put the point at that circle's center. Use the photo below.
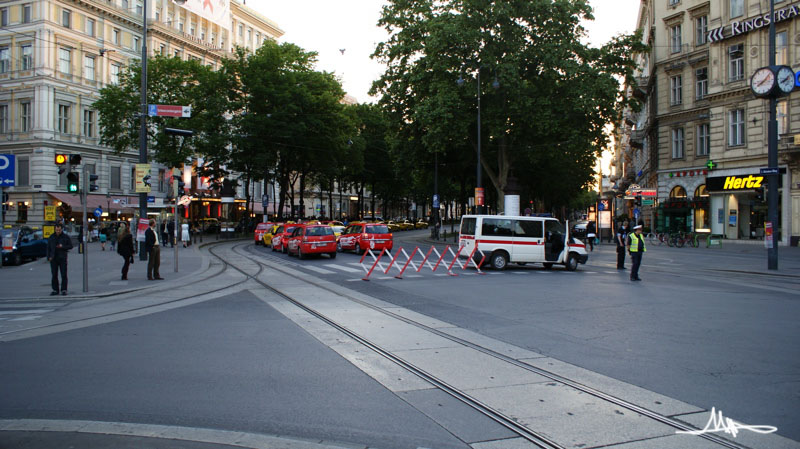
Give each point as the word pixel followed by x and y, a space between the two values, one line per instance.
pixel 185 237
pixel 57 246
pixel 620 238
pixel 153 248
pixel 125 249
pixel 636 248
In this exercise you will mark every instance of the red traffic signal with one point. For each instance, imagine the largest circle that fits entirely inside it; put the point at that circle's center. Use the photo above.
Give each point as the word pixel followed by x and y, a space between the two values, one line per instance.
pixel 61 159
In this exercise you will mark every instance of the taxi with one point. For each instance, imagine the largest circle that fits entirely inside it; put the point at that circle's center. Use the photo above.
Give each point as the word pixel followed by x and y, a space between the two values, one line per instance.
pixel 266 237
pixel 312 239
pixel 337 230
pixel 261 229
pixel 406 225
pixel 393 226
pixel 421 225
pixel 282 235
pixel 359 237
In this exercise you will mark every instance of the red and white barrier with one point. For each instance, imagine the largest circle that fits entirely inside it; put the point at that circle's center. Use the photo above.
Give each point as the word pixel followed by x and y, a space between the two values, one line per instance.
pixel 401 257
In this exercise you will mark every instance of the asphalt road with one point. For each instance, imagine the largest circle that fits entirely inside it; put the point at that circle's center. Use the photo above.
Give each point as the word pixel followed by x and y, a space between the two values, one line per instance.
pixel 710 327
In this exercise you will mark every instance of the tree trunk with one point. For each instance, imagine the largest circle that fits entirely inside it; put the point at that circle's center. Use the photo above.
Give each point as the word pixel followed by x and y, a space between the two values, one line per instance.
pixel 302 194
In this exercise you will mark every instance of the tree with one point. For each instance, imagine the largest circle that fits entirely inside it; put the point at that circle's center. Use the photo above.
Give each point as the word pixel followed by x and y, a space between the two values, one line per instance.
pixel 546 121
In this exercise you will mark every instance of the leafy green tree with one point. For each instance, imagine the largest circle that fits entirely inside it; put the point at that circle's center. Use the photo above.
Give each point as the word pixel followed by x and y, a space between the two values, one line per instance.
pixel 545 121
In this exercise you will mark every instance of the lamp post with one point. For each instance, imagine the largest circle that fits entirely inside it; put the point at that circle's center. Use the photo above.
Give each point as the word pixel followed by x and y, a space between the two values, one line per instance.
pixel 478 185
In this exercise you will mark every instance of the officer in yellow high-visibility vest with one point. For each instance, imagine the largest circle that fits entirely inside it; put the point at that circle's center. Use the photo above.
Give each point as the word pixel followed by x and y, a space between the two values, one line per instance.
pixel 636 249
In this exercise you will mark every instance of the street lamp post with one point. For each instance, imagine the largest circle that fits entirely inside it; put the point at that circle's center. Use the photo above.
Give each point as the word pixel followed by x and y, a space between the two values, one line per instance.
pixel 478 185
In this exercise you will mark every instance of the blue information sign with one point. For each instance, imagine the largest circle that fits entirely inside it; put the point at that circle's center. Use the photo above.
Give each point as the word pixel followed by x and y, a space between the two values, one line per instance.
pixel 7 170
pixel 152 110
pixel 264 200
pixel 435 201
pixel 98 212
pixel 151 199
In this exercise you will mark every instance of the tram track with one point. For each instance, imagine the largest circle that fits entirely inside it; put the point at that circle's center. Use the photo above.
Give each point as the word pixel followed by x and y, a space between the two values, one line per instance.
pixel 510 423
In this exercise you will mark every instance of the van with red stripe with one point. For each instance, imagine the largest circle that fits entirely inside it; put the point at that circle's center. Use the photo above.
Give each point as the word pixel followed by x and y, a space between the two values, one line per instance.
pixel 506 239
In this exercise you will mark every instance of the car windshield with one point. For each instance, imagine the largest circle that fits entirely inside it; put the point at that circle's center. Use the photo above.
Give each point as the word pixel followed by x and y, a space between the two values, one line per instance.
pixel 378 229
pixel 290 229
pixel 319 230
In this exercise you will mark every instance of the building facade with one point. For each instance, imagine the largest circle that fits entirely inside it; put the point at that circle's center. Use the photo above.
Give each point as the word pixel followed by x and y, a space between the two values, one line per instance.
pixel 55 56
pixel 706 124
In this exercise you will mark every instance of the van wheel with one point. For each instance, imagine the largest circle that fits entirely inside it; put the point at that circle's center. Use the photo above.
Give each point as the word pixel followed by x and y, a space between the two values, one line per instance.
pixel 547 266
pixel 499 260
pixel 572 263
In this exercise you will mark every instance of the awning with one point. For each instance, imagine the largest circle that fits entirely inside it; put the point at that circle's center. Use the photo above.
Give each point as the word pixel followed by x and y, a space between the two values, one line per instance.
pixel 108 204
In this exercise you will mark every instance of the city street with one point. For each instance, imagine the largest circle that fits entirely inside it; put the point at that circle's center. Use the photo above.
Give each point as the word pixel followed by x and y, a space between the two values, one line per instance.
pixel 272 347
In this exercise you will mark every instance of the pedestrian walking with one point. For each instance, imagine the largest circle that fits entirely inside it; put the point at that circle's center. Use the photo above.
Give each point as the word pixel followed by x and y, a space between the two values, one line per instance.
pixel 125 249
pixel 171 232
pixel 153 248
pixel 103 235
pixel 636 248
pixel 185 237
pixel 112 237
pixel 164 233
pixel 620 238
pixel 591 234
pixel 57 246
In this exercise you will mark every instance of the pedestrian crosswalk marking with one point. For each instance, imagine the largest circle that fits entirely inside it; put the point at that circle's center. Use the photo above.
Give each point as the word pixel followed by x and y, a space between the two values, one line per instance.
pixel 26 318
pixel 340 267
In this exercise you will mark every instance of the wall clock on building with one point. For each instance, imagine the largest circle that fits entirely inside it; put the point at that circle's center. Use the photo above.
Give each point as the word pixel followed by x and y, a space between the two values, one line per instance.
pixel 763 82
pixel 785 76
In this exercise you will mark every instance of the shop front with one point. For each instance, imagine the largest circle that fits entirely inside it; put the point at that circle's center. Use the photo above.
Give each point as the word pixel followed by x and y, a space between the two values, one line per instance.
pixel 685 206
pixel 739 204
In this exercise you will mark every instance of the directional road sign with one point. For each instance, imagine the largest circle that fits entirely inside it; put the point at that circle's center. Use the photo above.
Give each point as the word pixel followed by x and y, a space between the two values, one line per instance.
pixel 7 170
pixel 166 110
pixel 98 212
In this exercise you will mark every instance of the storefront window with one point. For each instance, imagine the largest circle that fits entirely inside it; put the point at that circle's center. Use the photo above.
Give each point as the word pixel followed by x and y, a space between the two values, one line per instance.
pixel 677 192
pixel 701 209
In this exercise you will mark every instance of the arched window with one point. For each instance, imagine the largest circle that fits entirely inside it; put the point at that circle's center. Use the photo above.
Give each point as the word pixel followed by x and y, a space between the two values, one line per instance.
pixel 701 191
pixel 677 192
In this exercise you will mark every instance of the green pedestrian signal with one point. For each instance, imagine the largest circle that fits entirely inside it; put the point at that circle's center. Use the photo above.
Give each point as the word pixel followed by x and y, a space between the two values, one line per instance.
pixel 73 181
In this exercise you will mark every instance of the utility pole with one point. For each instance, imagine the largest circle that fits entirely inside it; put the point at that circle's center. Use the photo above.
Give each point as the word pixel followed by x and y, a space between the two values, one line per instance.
pixel 772 152
pixel 84 201
pixel 142 126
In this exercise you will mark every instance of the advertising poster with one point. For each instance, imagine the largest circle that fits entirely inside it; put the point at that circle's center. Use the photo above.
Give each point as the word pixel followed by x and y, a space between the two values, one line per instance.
pixel 605 219
pixel 140 230
pixel 217 11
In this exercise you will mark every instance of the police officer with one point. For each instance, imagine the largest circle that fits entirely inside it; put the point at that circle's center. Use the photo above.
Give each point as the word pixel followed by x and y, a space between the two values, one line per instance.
pixel 636 248
pixel 57 246
pixel 620 239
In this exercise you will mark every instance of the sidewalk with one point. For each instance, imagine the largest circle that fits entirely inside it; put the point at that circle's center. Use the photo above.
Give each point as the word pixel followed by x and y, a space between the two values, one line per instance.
pixel 31 280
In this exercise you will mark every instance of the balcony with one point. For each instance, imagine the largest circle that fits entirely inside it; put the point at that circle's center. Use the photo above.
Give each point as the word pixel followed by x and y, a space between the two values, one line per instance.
pixel 637 138
pixel 642 87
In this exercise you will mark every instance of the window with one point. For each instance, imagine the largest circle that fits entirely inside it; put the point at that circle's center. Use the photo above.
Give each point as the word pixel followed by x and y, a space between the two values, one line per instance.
pixel 66 18
pixel 26 13
pixel 675 38
pixel 22 212
pixel 701 83
pixel 90 27
pixel 124 4
pixel 114 74
pixel 701 30
pixel 736 127
pixel 5 59
pixel 782 116
pixel 139 8
pixel 135 43
pixel 674 2
pixel 496 227
pixel 180 26
pixel 528 228
pixel 23 172
pixel 133 178
pixel 115 36
pixel 176 54
pixel 25 116
pixel 677 192
pixel 26 57
pixel 241 30
pixel 158 14
pixel 162 49
pixel 4 16
pixel 64 60
pixel 677 143
pixel 250 36
pixel 88 68
pixel 191 28
pixel 203 34
pixel 736 62
pixel 162 185
pixel 781 48
pixel 703 139
pixel 3 118
pixel 737 8
pixel 676 90
pixel 116 178
pixel 63 118
pixel 88 123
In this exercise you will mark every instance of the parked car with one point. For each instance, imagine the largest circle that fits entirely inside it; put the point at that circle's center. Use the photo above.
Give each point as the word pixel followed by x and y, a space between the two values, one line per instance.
pixel 281 236
pixel 266 237
pixel 421 224
pixel 312 239
pixel 260 230
pixel 359 237
pixel 337 231
pixel 393 226
pixel 406 225
pixel 25 243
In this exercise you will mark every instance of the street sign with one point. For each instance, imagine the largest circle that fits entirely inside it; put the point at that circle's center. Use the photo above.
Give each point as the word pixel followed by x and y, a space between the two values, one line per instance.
pixel 185 200
pixel 98 212
pixel 436 201
pixel 7 170
pixel 49 213
pixel 479 196
pixel 151 199
pixel 264 201
pixel 165 110
pixel 772 171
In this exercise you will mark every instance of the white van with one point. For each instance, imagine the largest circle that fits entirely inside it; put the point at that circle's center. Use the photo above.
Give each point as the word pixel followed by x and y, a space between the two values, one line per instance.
pixel 520 240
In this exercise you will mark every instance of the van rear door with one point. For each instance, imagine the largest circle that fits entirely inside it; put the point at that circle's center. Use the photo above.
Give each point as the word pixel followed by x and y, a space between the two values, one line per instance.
pixel 466 235
pixel 528 241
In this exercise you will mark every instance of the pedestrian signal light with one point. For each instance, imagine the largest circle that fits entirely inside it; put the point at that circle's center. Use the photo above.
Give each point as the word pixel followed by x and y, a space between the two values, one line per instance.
pixel 73 180
pixel 61 159
pixel 92 186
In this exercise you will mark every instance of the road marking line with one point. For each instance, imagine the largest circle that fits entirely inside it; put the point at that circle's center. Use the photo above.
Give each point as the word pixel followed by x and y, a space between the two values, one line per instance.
pixel 414 276
pixel 24 312
pixel 339 267
pixel 317 269
pixel 27 318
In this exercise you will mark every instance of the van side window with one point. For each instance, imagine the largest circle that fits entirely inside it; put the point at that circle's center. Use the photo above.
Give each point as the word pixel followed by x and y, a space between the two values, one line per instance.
pixel 468 226
pixel 528 228
pixel 496 227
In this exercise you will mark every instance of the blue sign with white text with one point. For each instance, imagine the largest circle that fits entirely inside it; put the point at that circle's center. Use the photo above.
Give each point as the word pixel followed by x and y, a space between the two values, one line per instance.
pixel 7 170
pixel 152 110
pixel 435 201
pixel 98 212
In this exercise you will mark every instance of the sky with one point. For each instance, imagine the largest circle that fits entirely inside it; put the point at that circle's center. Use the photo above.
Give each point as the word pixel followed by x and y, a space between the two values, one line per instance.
pixel 329 26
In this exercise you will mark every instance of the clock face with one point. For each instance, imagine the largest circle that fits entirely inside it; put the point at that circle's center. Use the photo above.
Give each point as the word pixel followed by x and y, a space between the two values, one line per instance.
pixel 763 81
pixel 785 79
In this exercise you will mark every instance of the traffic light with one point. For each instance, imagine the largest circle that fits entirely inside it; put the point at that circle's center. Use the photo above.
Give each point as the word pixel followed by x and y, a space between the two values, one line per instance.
pixel 74 159
pixel 92 186
pixel 61 159
pixel 178 186
pixel 73 182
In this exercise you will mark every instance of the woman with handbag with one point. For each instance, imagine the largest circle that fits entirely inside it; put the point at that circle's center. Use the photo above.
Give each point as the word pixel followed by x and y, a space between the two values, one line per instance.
pixel 125 249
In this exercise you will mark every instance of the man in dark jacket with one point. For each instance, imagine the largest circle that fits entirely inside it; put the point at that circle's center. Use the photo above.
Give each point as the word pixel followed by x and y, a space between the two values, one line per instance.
pixel 57 246
pixel 153 248
pixel 171 232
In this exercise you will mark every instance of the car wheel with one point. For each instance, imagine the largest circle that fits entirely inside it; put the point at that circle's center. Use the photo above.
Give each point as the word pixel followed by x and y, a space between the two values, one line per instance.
pixel 547 266
pixel 572 263
pixel 499 260
pixel 17 259
pixel 300 254
pixel 333 255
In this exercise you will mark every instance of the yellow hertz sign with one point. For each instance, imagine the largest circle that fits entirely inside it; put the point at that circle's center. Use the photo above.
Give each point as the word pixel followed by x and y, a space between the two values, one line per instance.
pixel 738 182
